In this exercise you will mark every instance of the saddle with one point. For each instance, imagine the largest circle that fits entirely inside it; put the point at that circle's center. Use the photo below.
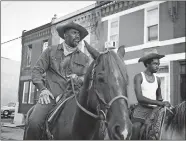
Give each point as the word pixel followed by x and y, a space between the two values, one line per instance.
pixel 55 112
pixel 151 119
pixel 151 129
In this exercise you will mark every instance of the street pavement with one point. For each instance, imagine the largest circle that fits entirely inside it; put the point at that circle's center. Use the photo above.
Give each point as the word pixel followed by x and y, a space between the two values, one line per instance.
pixel 9 131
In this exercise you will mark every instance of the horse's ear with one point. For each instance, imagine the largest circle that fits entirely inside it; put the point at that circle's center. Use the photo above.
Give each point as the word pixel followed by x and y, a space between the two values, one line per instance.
pixel 93 52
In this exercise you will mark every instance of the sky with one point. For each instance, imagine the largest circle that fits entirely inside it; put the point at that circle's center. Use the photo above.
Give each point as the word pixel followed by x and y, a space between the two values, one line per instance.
pixel 17 16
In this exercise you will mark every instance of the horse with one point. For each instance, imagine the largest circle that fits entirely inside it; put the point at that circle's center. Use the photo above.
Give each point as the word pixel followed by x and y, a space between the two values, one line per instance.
pixel 100 106
pixel 175 126
pixel 165 124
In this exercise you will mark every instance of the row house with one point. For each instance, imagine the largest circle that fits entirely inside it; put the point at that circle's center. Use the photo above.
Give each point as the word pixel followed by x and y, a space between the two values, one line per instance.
pixel 148 25
pixel 138 25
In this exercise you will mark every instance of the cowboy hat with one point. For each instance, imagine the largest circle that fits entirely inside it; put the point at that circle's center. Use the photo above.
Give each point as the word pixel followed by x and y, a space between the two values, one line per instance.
pixel 150 55
pixel 61 28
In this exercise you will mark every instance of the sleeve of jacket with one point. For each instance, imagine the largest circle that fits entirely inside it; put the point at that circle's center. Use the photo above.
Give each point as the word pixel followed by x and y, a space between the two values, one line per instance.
pixel 41 66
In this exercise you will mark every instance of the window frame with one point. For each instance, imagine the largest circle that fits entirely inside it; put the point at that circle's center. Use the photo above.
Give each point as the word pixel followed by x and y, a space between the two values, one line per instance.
pixel 146 34
pixel 29 62
pixel 23 94
pixel 30 93
pixel 166 75
pixel 28 100
pixel 43 44
pixel 109 29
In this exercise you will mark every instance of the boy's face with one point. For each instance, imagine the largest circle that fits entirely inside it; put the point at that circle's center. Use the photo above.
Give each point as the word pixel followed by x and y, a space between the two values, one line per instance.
pixel 154 65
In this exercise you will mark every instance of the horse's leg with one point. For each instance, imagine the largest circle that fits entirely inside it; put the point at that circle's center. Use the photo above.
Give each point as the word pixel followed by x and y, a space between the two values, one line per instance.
pixel 136 130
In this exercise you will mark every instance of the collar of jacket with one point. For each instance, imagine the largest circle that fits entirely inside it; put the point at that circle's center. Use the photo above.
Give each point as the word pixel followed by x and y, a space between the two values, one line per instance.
pixel 60 47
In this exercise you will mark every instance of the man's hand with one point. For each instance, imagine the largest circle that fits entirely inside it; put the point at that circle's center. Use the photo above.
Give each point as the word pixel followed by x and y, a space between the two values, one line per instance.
pixel 44 97
pixel 166 103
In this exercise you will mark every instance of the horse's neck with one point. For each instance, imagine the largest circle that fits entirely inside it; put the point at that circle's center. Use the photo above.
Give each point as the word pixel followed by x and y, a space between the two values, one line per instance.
pixel 83 121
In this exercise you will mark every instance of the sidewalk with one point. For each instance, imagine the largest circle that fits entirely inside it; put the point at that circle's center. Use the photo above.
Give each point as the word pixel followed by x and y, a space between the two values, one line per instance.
pixel 11 132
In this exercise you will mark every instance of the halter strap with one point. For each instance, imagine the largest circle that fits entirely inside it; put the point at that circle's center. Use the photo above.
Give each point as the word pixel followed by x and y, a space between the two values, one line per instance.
pixel 79 105
pixel 88 112
pixel 117 97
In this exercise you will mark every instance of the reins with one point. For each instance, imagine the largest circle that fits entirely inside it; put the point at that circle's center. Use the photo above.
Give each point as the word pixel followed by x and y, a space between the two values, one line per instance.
pixel 102 115
pixel 165 108
pixel 101 111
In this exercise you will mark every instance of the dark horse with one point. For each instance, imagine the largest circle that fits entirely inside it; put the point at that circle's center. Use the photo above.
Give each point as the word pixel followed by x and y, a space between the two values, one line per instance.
pixel 103 97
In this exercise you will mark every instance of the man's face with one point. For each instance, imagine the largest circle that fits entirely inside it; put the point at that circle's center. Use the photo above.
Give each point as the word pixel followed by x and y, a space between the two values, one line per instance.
pixel 154 65
pixel 72 37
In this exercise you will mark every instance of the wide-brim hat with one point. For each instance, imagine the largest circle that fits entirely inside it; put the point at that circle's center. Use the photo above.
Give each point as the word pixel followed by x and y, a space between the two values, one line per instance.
pixel 61 28
pixel 152 54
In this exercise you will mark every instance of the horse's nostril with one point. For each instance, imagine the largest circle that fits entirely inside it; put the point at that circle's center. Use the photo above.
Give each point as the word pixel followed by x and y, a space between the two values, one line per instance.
pixel 116 132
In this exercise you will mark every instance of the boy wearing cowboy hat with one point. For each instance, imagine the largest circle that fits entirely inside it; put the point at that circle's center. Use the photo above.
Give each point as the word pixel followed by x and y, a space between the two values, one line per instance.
pixel 58 62
pixel 147 89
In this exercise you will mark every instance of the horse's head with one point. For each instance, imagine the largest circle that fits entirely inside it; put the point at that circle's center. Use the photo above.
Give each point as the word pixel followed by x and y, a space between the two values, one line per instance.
pixel 107 92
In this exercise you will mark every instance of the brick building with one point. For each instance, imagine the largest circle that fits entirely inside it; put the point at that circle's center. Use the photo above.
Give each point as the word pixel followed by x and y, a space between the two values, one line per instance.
pixel 139 25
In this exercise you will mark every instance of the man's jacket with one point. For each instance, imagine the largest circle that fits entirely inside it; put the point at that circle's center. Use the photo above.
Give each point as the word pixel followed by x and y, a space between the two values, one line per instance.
pixel 57 67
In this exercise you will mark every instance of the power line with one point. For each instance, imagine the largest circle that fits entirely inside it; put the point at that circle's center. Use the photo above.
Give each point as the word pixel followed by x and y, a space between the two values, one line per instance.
pixel 11 40
pixel 104 3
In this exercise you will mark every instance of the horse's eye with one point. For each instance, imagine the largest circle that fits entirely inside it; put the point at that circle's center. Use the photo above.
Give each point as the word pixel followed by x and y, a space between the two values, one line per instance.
pixel 101 79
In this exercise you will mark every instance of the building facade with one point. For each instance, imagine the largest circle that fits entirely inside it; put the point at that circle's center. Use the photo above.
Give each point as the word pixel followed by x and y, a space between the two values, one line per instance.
pixel 155 24
pixel 139 25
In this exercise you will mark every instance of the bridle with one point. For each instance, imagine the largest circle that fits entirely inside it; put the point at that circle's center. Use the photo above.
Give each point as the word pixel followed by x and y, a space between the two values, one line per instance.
pixel 102 114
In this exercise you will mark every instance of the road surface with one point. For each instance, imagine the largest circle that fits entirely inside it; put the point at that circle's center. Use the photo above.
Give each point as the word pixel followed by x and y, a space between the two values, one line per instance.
pixel 9 131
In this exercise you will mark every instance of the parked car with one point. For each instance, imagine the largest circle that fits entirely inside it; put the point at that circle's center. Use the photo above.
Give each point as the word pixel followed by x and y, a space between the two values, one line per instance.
pixel 8 110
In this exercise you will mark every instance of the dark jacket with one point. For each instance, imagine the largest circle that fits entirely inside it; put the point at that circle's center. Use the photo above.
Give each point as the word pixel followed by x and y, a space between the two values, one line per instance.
pixel 52 62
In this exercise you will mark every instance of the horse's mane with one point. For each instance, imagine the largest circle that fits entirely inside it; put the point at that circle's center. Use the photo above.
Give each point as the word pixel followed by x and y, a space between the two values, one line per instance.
pixel 115 61
pixel 178 121
pixel 121 66
pixel 107 58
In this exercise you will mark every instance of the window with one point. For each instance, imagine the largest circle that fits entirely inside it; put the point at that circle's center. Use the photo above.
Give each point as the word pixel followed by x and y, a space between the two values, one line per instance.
pixel 45 45
pixel 31 93
pixel 29 55
pixel 25 92
pixel 151 24
pixel 163 74
pixel 113 31
pixel 164 87
pixel 28 92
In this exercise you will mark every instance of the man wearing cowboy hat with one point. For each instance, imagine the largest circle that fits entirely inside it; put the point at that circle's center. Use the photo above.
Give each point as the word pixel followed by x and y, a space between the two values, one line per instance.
pixel 59 63
pixel 147 89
